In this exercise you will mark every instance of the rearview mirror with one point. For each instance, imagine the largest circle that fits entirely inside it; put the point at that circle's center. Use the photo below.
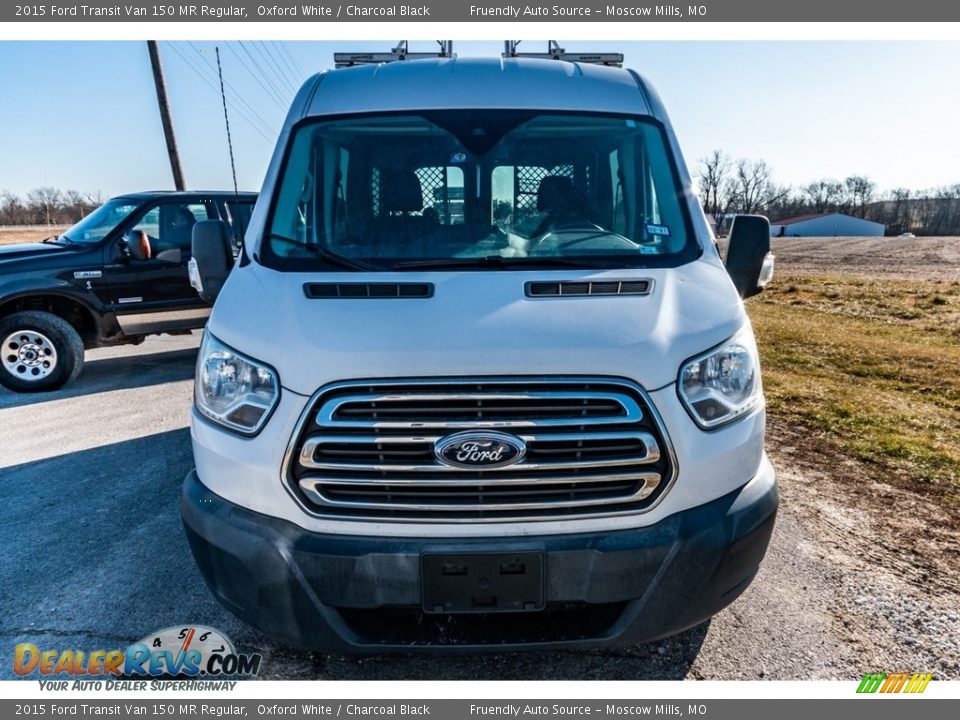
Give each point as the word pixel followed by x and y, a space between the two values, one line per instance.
pixel 212 258
pixel 749 260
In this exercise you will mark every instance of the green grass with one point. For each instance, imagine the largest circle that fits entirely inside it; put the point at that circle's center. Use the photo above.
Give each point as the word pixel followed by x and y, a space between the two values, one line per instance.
pixel 870 366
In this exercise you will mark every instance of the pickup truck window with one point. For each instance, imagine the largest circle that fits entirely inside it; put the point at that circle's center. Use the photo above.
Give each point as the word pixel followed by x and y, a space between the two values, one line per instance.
pixel 165 231
pixel 95 226
pixel 390 192
pixel 238 215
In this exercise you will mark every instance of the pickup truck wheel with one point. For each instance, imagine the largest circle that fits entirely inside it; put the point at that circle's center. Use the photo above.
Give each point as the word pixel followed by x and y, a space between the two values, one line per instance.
pixel 39 351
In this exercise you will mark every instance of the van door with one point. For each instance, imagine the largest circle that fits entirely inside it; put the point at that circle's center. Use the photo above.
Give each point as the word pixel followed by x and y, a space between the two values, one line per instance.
pixel 147 269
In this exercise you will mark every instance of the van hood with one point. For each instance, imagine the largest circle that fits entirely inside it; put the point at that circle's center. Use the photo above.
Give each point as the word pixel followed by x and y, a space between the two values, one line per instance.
pixel 476 323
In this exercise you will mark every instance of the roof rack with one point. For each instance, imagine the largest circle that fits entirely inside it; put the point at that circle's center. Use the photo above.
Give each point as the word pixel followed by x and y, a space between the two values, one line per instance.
pixel 400 52
pixel 555 52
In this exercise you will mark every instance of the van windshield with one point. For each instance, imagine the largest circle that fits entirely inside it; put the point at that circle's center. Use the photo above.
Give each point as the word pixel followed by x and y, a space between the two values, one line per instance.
pixel 485 189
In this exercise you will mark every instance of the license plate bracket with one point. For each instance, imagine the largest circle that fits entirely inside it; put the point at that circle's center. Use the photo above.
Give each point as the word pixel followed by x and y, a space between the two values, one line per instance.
pixel 482 582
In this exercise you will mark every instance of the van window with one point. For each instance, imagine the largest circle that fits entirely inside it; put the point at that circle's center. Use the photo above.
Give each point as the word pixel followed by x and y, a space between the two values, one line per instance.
pixel 386 190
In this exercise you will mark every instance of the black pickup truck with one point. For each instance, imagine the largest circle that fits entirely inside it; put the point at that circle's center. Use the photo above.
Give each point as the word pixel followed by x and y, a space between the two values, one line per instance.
pixel 113 278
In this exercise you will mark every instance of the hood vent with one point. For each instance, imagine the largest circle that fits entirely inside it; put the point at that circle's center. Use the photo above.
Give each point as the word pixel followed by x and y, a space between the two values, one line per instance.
pixel 582 288
pixel 367 291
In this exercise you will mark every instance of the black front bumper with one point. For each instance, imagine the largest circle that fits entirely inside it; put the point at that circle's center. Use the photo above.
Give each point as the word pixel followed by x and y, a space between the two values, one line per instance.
pixel 363 594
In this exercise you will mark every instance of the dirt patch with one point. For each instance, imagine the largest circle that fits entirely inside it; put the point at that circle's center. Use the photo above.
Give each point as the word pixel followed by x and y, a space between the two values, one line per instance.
pixel 930 258
pixel 890 553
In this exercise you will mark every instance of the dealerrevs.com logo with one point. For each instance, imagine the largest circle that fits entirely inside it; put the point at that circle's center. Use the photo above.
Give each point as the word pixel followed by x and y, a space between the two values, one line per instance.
pixel 191 652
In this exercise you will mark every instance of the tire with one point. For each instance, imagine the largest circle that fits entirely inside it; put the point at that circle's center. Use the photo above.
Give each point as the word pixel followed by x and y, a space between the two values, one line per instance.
pixel 38 352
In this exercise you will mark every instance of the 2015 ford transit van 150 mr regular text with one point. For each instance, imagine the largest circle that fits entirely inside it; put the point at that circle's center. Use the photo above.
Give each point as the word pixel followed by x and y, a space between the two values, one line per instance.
pixel 480 377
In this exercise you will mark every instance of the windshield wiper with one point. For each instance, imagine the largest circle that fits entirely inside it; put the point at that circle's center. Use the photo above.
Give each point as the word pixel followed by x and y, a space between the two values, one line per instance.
pixel 327 255
pixel 57 240
pixel 500 262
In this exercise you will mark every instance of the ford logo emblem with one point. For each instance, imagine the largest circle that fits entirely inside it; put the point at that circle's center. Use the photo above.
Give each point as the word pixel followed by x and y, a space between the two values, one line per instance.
pixel 480 450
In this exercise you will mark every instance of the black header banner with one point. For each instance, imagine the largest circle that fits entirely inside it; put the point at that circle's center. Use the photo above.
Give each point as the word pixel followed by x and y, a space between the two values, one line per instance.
pixel 478 11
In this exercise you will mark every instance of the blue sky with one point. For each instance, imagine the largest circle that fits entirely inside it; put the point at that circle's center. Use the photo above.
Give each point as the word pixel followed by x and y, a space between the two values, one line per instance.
pixel 83 115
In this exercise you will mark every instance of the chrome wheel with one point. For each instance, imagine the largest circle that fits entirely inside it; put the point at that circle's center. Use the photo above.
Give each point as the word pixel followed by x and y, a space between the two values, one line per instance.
pixel 28 355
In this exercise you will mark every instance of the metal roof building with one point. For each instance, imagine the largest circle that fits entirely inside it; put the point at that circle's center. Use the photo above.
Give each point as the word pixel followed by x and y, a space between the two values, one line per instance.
pixel 825 225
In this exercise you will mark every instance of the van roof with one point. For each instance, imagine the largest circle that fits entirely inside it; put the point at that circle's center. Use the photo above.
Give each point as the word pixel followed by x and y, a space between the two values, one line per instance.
pixel 471 83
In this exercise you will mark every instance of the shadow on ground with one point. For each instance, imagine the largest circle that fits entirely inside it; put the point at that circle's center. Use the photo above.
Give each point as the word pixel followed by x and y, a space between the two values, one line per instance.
pixel 115 373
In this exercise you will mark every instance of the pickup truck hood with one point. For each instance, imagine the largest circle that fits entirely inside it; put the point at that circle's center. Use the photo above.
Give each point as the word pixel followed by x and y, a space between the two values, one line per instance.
pixel 22 250
pixel 476 323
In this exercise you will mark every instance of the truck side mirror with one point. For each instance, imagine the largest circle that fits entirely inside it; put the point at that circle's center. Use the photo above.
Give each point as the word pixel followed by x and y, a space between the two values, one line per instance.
pixel 749 260
pixel 123 249
pixel 212 258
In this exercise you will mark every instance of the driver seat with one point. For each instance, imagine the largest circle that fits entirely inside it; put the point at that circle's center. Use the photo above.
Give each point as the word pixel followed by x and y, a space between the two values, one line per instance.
pixel 560 203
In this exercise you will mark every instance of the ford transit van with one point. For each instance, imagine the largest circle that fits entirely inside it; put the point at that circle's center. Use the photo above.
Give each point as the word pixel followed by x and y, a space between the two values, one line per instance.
pixel 480 377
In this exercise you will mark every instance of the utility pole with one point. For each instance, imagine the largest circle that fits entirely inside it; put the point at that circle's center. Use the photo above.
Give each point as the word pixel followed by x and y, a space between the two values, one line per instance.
pixel 165 115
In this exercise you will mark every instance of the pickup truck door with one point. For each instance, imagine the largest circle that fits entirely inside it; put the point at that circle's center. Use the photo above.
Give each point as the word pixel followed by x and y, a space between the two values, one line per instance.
pixel 146 270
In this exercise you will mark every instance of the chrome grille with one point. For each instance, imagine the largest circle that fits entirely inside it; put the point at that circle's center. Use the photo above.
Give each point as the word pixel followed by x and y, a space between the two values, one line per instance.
pixel 366 450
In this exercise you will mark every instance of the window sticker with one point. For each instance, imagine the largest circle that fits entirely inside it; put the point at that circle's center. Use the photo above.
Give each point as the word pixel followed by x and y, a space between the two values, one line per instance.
pixel 658 230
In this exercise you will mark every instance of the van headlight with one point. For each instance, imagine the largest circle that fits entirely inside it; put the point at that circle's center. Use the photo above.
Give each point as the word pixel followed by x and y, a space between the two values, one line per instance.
pixel 233 390
pixel 723 383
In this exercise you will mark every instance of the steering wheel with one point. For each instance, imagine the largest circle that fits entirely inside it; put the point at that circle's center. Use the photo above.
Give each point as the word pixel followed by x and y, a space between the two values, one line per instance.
pixel 582 232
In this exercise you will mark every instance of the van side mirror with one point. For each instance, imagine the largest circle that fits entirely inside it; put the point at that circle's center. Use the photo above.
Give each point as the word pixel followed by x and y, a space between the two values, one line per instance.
pixel 749 260
pixel 212 258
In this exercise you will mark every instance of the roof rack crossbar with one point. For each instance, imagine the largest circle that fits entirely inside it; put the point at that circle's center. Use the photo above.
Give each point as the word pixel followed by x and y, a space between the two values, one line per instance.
pixel 400 52
pixel 555 52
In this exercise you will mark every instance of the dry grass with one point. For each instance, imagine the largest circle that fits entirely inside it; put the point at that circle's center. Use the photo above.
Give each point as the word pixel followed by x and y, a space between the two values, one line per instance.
pixel 872 366
pixel 21 234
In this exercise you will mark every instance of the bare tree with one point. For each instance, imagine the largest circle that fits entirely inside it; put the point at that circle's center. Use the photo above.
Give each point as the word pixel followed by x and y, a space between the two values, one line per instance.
pixel 11 209
pixel 47 206
pixel 43 203
pixel 713 178
pixel 754 189
pixel 787 203
pixel 822 195
pixel 859 191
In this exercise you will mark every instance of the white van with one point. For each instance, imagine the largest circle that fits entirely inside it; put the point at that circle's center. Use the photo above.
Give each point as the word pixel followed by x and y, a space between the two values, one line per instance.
pixel 480 377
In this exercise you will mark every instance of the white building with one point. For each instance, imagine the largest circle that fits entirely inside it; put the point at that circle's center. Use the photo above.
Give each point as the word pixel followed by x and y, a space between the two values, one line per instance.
pixel 825 225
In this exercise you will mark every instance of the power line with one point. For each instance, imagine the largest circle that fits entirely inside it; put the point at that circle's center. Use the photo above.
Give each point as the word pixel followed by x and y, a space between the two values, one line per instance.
pixel 295 78
pixel 263 129
pixel 265 83
pixel 268 66
pixel 213 87
pixel 288 58
pixel 249 71
pixel 237 94
pixel 264 50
